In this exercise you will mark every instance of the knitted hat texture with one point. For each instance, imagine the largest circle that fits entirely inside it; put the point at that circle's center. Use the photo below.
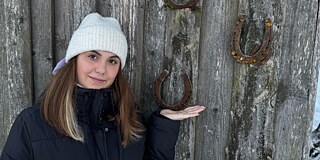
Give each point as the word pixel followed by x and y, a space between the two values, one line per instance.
pixel 98 33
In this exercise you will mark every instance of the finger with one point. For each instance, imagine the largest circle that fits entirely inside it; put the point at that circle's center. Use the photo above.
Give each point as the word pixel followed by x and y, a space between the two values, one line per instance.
pixel 200 110
pixel 188 116
pixel 194 108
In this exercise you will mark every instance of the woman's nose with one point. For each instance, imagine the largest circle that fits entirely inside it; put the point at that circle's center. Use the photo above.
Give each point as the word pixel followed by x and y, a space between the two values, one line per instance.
pixel 100 67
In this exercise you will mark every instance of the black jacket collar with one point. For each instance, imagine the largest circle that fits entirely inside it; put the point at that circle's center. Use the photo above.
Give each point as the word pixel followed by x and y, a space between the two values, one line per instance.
pixel 93 105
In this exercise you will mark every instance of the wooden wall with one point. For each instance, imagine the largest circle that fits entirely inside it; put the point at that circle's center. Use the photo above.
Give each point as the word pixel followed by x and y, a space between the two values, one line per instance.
pixel 252 112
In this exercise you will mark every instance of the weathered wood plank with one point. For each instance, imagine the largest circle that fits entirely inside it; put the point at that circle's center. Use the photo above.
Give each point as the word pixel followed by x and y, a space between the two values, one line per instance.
pixel 252 116
pixel 4 107
pixel 42 43
pixel 181 52
pixel 316 60
pixel 215 79
pixel 270 102
pixel 104 7
pixel 295 97
pixel 154 42
pixel 16 70
pixel 313 137
pixel 168 46
pixel 68 15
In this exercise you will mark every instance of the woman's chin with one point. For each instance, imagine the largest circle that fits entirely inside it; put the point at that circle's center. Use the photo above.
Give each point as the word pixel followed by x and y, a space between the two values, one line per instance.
pixel 95 86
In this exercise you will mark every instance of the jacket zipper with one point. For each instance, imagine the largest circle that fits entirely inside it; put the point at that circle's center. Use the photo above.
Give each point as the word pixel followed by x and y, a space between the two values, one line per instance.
pixel 105 130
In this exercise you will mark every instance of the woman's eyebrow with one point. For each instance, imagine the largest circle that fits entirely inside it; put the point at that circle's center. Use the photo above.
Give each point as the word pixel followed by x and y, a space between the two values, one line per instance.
pixel 115 56
pixel 96 52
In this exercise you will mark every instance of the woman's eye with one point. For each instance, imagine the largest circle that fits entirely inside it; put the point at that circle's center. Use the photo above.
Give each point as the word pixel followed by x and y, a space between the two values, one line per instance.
pixel 112 61
pixel 93 57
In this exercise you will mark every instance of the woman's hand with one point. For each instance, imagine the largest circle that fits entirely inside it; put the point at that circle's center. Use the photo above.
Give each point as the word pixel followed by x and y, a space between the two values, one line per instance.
pixel 183 114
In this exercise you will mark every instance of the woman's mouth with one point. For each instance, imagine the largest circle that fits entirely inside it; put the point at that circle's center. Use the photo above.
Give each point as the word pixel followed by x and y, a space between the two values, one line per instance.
pixel 97 80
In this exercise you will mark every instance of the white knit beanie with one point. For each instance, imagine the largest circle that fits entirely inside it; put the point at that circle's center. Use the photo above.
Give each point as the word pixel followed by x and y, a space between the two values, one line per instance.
pixel 98 33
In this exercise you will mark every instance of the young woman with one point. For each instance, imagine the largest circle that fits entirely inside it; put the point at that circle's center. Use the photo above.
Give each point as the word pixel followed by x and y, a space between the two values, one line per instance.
pixel 87 110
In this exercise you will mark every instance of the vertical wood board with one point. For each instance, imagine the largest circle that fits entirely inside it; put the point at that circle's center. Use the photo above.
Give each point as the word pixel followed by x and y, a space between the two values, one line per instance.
pixel 42 43
pixel 16 71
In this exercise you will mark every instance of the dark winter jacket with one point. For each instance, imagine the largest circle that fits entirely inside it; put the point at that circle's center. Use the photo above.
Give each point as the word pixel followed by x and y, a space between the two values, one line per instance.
pixel 31 138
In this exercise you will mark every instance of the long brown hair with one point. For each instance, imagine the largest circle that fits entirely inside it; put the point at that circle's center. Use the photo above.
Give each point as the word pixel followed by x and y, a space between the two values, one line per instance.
pixel 128 116
pixel 57 105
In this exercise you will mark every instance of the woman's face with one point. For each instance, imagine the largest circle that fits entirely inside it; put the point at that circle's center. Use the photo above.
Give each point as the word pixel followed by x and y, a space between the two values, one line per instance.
pixel 97 69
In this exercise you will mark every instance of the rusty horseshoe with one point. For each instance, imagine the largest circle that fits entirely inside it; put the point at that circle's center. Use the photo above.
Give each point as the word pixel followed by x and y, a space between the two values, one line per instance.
pixel 182 104
pixel 174 5
pixel 260 54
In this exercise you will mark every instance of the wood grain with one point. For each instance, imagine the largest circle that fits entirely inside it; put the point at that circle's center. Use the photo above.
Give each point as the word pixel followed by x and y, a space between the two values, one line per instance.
pixel 16 63
pixel 42 43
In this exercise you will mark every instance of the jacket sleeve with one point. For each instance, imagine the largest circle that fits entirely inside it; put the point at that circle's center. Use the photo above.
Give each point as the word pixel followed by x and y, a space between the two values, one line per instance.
pixel 18 145
pixel 162 135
